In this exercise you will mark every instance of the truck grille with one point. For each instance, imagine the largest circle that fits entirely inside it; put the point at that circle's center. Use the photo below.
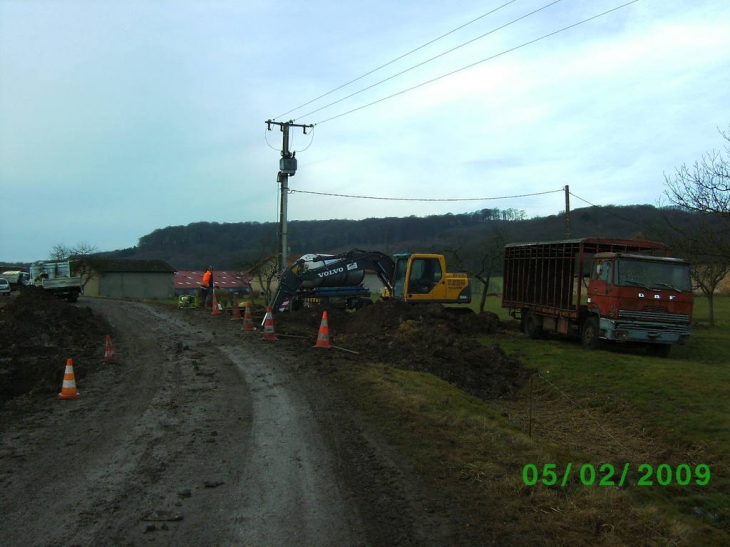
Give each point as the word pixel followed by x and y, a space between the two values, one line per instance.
pixel 630 315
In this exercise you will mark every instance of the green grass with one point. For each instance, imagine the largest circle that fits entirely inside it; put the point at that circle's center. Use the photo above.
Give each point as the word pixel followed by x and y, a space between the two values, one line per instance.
pixel 612 406
pixel 678 405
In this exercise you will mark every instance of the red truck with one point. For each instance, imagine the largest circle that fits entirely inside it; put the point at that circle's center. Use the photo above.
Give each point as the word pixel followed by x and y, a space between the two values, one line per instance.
pixel 600 289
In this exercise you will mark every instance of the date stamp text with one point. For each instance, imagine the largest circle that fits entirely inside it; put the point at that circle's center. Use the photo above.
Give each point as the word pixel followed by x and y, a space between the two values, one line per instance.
pixel 609 475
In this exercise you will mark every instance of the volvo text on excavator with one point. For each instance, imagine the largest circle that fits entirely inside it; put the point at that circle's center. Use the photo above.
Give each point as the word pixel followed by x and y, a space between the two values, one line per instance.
pixel 409 277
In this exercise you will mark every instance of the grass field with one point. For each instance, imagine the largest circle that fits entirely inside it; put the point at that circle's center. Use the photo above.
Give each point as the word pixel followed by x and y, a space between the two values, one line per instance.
pixel 663 424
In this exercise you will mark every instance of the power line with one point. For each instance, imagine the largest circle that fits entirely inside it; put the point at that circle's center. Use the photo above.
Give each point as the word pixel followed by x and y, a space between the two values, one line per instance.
pixel 397 59
pixel 431 59
pixel 585 200
pixel 477 63
pixel 311 140
pixel 607 211
pixel 424 199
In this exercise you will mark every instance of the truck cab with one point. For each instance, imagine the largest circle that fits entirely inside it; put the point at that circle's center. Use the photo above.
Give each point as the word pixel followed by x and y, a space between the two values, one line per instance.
pixel 640 298
pixel 423 278
pixel 622 290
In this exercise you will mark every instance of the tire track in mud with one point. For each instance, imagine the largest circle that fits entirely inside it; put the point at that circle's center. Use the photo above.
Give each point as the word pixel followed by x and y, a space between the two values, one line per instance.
pixel 145 430
pixel 64 478
pixel 199 434
pixel 186 439
pixel 293 495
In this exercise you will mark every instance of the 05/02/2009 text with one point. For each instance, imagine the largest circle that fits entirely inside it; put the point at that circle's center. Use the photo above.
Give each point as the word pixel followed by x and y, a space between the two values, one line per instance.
pixel 608 475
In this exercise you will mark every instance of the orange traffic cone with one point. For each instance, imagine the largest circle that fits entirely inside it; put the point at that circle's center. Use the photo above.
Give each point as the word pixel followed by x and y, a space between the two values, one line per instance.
pixel 247 319
pixel 216 306
pixel 108 349
pixel 323 338
pixel 269 333
pixel 68 389
pixel 235 310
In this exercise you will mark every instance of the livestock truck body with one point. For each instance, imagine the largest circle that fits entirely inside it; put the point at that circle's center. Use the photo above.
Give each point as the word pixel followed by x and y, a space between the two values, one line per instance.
pixel 57 278
pixel 601 290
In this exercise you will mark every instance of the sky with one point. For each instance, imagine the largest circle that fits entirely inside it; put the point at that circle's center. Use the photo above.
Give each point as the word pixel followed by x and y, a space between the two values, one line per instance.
pixel 118 118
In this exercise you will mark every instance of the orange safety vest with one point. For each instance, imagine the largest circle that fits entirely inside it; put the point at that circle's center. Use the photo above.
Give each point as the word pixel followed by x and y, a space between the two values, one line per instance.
pixel 206 279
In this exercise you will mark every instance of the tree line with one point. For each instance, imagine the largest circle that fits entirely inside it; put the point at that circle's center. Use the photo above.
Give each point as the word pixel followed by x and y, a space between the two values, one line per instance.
pixel 243 244
pixel 695 224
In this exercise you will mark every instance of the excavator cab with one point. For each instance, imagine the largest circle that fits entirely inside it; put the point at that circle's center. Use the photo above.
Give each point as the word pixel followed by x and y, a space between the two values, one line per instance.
pixel 423 278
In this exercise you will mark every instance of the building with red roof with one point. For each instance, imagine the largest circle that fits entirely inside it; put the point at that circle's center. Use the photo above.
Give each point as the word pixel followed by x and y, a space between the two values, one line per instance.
pixel 188 281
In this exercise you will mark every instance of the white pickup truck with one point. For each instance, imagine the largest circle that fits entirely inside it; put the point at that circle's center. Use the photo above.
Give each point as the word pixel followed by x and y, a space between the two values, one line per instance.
pixel 56 278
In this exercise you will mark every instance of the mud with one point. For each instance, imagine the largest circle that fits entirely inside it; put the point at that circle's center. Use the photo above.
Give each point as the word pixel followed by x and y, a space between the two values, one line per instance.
pixel 200 434
pixel 428 338
pixel 39 331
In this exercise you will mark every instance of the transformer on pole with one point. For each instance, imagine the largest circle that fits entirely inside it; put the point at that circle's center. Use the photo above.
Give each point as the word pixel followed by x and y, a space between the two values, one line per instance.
pixel 287 168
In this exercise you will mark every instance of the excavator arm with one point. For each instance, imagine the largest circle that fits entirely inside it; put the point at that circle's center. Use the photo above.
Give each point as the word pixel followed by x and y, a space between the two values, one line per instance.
pixel 344 270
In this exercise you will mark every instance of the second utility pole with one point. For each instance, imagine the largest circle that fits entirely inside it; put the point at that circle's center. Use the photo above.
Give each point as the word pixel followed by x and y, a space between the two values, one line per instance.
pixel 287 167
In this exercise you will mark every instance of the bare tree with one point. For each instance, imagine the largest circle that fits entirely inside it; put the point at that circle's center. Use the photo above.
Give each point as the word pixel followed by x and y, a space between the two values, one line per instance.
pixel 706 277
pixel 705 186
pixel 84 263
pixel 265 272
pixel 263 264
pixel 60 252
pixel 702 240
pixel 65 252
pixel 481 261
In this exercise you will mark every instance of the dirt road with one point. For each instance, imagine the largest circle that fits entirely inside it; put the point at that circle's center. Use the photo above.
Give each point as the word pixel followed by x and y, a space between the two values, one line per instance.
pixel 197 434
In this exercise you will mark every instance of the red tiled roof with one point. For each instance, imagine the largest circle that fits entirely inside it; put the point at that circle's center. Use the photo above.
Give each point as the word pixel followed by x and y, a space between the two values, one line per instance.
pixel 190 279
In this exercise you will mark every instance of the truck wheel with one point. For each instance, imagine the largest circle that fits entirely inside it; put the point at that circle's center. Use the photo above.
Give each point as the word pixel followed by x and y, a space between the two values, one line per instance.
pixel 589 334
pixel 530 326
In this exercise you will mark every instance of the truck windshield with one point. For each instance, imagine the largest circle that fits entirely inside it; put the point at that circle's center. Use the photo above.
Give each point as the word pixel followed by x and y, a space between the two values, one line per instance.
pixel 653 275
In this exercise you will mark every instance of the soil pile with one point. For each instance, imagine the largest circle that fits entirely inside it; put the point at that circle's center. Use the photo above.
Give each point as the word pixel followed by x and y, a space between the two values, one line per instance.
pixel 39 333
pixel 427 338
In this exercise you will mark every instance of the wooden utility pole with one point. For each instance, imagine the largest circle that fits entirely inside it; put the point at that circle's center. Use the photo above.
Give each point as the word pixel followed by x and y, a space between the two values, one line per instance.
pixel 287 168
pixel 567 212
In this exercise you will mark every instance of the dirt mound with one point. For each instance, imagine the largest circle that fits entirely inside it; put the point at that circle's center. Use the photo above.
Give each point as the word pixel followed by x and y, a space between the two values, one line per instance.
pixel 39 333
pixel 384 316
pixel 438 340
pixel 428 338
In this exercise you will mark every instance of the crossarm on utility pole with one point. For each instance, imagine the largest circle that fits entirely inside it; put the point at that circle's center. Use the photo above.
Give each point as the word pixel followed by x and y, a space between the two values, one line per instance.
pixel 287 167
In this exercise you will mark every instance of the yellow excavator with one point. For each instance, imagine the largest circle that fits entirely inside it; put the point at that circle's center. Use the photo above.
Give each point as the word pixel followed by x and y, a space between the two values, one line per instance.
pixel 413 277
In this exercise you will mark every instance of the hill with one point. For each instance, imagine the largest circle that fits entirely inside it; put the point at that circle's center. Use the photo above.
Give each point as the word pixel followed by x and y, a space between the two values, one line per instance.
pixel 239 245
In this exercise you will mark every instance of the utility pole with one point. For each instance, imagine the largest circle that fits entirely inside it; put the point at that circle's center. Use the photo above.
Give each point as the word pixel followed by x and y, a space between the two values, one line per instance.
pixel 567 211
pixel 287 168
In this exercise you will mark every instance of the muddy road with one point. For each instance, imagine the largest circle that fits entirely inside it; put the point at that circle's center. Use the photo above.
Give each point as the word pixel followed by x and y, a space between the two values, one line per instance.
pixel 200 434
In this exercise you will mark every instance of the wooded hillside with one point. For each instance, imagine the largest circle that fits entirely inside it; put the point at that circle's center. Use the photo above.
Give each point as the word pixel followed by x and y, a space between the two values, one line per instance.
pixel 240 245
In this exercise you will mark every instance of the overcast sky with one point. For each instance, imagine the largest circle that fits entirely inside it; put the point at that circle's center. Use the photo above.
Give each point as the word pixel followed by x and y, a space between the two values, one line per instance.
pixel 121 117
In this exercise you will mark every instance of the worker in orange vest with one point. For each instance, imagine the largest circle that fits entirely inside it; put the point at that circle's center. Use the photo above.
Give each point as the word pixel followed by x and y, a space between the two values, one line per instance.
pixel 206 284
pixel 207 279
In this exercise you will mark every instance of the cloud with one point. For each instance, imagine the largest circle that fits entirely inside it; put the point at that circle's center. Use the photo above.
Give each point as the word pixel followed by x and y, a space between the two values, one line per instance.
pixel 127 117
